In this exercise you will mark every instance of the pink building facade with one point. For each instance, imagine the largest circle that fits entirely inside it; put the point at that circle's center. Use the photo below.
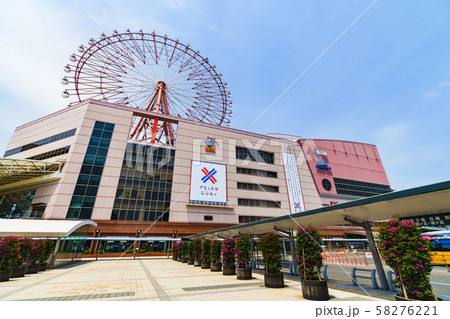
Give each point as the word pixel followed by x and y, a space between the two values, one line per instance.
pixel 344 170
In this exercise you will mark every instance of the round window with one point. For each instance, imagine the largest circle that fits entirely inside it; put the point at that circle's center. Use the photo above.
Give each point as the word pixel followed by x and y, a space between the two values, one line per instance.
pixel 326 184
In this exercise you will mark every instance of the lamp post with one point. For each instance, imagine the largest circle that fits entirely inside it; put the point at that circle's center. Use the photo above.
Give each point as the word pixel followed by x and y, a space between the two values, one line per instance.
pixel 98 244
pixel 175 235
pixel 138 235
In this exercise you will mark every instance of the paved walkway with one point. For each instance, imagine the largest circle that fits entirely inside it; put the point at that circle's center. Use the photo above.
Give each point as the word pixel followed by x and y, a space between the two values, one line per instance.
pixel 150 279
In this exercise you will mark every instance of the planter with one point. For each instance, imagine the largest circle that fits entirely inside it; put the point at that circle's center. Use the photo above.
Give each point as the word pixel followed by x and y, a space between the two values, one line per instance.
pixel 401 298
pixel 5 274
pixel 190 261
pixel 272 280
pixel 244 273
pixel 43 267
pixel 216 266
pixel 229 270
pixel 206 265
pixel 33 269
pixel 315 290
pixel 184 260
pixel 19 272
pixel 197 262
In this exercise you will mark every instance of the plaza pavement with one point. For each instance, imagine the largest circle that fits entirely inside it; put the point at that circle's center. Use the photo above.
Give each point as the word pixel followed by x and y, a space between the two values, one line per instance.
pixel 151 279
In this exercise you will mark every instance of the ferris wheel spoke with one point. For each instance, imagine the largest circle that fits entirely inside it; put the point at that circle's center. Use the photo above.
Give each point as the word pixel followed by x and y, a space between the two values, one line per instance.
pixel 132 68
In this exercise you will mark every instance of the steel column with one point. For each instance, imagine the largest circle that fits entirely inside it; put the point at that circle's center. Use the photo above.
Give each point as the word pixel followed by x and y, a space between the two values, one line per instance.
pixel 373 249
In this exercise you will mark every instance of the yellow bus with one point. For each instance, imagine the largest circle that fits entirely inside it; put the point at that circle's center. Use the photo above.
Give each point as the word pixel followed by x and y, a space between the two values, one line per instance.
pixel 440 247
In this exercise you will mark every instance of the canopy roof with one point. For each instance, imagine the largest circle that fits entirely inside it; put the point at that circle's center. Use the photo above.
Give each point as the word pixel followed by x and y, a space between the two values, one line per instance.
pixel 423 200
pixel 19 170
pixel 118 238
pixel 41 228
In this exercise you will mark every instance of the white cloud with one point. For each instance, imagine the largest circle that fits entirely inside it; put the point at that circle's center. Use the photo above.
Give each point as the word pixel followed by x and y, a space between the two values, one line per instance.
pixel 431 95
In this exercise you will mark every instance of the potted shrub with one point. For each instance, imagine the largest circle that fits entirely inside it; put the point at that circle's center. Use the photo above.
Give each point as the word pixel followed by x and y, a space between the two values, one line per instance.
pixel 33 257
pixel 8 255
pixel 175 251
pixel 206 254
pixel 191 253
pixel 197 252
pixel 408 254
pixel 184 251
pixel 179 252
pixel 216 251
pixel 309 262
pixel 46 247
pixel 243 254
pixel 228 257
pixel 20 264
pixel 271 250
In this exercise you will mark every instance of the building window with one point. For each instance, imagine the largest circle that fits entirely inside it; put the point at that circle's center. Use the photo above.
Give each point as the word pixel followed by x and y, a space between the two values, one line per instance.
pixel 206 217
pixel 359 189
pixel 258 203
pixel 326 184
pixel 59 151
pixel 258 187
pixel 44 141
pixel 256 172
pixel 17 204
pixel 254 155
pixel 85 192
pixel 145 184
pixel 250 219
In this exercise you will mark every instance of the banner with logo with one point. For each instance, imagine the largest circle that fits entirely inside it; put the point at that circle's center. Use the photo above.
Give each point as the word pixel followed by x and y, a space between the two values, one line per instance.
pixel 293 183
pixel 208 182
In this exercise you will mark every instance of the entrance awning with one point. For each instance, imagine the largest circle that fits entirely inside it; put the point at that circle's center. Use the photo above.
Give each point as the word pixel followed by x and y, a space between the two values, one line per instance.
pixel 16 173
pixel 429 199
pixel 41 228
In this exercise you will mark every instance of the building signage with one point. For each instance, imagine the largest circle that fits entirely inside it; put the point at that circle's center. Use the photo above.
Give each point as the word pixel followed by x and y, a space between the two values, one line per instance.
pixel 208 182
pixel 293 183
pixel 433 220
pixel 321 163
pixel 210 144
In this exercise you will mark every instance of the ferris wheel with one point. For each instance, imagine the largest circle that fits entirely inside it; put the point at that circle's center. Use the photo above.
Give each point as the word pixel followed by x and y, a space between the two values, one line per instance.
pixel 150 72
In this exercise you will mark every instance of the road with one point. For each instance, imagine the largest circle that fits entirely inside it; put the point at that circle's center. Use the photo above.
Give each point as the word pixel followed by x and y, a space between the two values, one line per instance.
pixel 440 278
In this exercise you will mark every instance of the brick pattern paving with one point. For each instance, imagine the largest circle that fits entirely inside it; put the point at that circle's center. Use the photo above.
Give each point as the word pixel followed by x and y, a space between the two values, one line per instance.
pixel 151 279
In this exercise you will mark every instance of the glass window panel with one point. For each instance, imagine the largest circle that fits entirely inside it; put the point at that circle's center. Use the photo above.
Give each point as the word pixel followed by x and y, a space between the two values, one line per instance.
pixel 96 133
pixel 105 143
pixel 94 141
pixel 83 179
pixel 89 159
pixel 91 191
pixel 102 152
pixel 107 134
pixel 73 213
pixel 79 190
pixel 99 125
pixel 109 127
pixel 97 170
pixel 94 180
pixel 91 150
pixel 86 169
pixel 99 160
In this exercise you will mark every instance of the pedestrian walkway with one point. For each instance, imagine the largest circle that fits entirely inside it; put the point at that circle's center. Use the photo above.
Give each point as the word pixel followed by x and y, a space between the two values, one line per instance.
pixel 151 279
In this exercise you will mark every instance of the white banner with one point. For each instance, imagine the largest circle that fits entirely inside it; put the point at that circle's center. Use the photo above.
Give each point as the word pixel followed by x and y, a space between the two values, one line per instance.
pixel 208 182
pixel 293 183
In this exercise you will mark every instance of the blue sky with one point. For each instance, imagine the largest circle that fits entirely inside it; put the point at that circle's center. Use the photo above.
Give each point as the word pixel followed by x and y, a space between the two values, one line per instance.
pixel 385 82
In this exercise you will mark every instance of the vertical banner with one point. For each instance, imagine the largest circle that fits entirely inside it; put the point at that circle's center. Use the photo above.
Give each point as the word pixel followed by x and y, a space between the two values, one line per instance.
pixel 293 183
pixel 208 182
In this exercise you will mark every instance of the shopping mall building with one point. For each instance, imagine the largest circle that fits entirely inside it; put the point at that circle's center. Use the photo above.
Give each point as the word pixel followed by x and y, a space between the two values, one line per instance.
pixel 86 167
